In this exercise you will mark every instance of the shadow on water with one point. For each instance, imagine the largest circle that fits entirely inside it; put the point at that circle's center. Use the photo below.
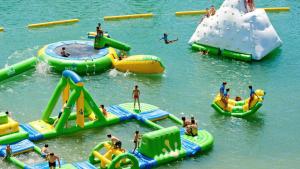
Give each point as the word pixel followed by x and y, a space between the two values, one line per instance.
pixel 255 121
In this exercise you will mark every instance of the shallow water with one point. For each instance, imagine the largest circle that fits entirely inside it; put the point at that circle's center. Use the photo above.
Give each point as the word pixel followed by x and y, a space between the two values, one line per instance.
pixel 268 139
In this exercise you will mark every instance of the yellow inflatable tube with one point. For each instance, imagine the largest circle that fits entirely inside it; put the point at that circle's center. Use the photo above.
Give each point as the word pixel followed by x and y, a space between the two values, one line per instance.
pixel 190 12
pixel 271 9
pixel 141 64
pixel 52 23
pixel 146 15
pixel 1 29
pixel 277 9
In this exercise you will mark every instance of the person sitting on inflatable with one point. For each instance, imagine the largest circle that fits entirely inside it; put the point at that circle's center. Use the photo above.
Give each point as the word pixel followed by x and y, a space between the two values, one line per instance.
pixel 185 122
pixel 249 4
pixel 252 93
pixel 64 53
pixel 45 152
pixel 212 10
pixel 192 129
pixel 117 144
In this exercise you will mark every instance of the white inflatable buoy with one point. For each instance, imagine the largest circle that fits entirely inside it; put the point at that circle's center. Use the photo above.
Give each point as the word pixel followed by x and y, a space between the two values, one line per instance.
pixel 236 25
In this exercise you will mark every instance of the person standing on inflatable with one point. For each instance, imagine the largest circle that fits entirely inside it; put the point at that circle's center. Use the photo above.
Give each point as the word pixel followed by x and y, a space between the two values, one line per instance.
pixel 136 96
pixel 252 93
pixel 249 4
pixel 222 89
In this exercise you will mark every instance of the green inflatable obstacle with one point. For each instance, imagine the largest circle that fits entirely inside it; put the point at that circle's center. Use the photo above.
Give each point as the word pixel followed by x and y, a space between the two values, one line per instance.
pixel 226 53
pixel 103 41
pixel 163 145
pixel 17 68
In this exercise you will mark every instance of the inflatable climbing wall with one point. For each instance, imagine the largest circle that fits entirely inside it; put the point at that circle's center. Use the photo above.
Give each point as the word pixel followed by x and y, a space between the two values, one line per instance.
pixel 233 28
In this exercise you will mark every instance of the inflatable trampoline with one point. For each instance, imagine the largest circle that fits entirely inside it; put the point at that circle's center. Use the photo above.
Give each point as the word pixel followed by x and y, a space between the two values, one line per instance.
pixel 83 57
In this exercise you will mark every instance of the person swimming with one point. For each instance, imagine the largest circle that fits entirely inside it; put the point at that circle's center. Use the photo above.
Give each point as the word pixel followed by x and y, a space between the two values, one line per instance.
pixel 63 52
pixel 165 38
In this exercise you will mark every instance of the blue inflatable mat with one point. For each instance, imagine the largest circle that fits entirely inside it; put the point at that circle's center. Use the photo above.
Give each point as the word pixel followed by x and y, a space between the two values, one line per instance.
pixel 33 134
pixel 120 112
pixel 155 114
pixel 144 162
pixel 190 147
pixel 43 165
pixel 18 147
pixel 84 165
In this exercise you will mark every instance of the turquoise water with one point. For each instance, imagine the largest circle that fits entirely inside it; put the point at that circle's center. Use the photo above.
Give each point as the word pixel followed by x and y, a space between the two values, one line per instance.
pixel 268 139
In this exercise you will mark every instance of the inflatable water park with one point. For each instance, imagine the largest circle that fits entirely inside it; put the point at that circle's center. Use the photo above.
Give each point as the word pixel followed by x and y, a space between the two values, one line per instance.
pixel 67 92
pixel 170 143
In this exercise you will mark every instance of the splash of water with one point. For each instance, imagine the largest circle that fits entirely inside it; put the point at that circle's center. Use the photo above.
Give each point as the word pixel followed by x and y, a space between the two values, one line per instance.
pixel 42 68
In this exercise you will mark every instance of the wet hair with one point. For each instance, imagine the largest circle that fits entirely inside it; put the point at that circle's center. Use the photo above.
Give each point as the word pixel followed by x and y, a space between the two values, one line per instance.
pixel 193 121
pixel 250 87
pixel 136 132
pixel 136 86
pixel 52 154
pixel 109 135
pixel 183 118
pixel 102 106
pixel 192 118
pixel 227 89
pixel 7 112
pixel 224 83
pixel 46 145
pixel 63 48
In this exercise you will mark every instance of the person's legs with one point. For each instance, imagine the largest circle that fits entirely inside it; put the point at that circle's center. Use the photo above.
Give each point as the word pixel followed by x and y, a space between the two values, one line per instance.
pixel 135 145
pixel 249 103
pixel 134 101
pixel 138 99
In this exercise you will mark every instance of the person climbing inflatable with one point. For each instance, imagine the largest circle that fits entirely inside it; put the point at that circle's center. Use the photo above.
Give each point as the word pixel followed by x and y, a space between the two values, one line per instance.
pixel 249 5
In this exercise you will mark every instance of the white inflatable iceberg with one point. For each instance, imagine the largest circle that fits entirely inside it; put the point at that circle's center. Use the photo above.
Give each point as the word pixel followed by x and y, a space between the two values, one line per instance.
pixel 234 29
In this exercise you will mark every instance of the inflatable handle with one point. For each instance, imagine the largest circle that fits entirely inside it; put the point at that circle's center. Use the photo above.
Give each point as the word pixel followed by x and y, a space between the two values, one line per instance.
pixel 72 75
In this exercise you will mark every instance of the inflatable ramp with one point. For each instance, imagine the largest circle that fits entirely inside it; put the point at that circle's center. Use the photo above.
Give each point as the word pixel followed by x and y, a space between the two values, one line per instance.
pixel 144 162
pixel 120 112
pixel 34 135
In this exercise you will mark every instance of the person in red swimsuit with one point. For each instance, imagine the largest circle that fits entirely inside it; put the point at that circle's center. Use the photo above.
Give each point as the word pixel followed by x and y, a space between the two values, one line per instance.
pixel 136 96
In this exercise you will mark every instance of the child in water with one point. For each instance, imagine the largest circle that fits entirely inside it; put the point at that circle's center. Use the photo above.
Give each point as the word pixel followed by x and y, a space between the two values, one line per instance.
pixel 165 38
pixel 136 96
pixel 52 161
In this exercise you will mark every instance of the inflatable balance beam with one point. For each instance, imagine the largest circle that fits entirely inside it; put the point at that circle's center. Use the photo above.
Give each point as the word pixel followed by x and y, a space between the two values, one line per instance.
pixel 146 15
pixel 271 9
pixel 17 68
pixel 44 24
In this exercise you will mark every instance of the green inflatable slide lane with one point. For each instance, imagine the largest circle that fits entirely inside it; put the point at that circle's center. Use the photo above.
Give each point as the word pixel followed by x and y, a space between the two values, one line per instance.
pixel 103 41
pixel 236 55
pixel 17 68
pixel 163 145
pixel 211 50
